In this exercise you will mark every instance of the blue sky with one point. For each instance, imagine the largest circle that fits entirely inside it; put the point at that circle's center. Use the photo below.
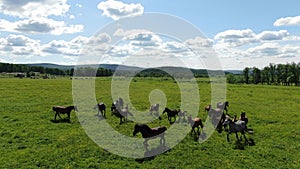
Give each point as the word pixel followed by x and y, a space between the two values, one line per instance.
pixel 242 33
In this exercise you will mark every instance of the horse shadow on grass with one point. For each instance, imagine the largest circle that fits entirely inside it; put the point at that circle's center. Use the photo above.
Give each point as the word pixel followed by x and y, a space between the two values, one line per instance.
pixel 241 145
pixel 65 120
pixel 151 154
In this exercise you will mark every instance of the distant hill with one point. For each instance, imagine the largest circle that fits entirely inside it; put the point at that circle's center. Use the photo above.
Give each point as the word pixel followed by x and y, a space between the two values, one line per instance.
pixel 114 67
pixel 50 65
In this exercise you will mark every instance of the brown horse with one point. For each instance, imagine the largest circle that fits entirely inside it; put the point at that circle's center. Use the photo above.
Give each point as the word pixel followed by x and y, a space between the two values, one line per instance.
pixel 195 123
pixel 63 110
pixel 150 133
pixel 207 108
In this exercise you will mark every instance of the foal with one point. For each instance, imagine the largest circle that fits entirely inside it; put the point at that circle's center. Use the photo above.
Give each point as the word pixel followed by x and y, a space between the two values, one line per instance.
pixel 195 123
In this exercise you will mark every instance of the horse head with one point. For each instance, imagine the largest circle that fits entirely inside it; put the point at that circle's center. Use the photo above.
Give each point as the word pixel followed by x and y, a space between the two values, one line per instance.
pixel 166 110
pixel 136 129
pixel 226 104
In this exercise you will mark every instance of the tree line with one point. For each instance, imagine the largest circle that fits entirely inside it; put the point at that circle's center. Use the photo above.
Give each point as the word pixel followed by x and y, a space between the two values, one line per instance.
pixel 278 74
pixel 31 70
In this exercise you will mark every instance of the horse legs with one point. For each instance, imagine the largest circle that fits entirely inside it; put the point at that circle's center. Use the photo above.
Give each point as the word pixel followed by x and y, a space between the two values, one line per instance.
pixel 246 140
pixel 237 137
pixel 162 140
pixel 57 114
pixel 102 113
pixel 228 137
pixel 146 144
pixel 198 130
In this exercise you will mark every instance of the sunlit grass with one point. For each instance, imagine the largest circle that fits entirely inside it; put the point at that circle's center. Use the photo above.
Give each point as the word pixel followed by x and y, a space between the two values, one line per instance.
pixel 29 139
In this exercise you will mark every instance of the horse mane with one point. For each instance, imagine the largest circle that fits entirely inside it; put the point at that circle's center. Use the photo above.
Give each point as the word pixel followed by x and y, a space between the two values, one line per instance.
pixel 143 126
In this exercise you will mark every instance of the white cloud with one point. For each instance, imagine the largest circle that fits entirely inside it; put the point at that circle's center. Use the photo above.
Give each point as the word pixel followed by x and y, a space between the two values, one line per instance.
pixel 19 45
pixel 273 35
pixel 117 9
pixel 33 17
pixel 34 8
pixel 236 37
pixel 78 5
pixel 288 21
pixel 41 25
pixel 125 33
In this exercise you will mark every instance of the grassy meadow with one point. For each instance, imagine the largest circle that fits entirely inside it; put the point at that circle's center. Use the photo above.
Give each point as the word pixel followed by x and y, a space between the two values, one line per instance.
pixel 30 139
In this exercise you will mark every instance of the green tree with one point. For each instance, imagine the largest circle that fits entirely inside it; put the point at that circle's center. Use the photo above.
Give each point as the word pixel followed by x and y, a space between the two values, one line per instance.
pixel 246 75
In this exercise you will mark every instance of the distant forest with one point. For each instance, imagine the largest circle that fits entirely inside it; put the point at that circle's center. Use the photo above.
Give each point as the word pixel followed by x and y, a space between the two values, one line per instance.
pixel 32 70
pixel 277 74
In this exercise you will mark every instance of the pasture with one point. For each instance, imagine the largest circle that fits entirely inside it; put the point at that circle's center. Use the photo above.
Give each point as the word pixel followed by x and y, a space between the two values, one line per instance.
pixel 30 139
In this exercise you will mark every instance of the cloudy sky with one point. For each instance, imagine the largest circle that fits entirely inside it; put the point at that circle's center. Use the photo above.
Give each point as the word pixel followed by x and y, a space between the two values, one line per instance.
pixel 241 33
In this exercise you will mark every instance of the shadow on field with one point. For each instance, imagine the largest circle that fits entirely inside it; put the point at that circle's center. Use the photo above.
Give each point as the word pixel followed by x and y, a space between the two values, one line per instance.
pixel 151 154
pixel 240 145
pixel 61 121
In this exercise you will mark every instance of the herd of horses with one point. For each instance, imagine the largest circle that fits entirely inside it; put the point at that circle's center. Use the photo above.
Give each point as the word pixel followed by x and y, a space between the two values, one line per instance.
pixel 219 117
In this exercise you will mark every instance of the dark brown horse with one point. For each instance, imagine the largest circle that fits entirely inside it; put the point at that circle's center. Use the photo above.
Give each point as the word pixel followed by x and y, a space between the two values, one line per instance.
pixel 217 117
pixel 154 108
pixel 150 133
pixel 223 106
pixel 123 114
pixel 182 115
pixel 195 123
pixel 171 113
pixel 63 110
pixel 101 109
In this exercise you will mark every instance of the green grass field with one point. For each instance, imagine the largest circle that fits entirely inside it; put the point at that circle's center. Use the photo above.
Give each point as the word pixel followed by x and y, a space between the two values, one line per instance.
pixel 29 139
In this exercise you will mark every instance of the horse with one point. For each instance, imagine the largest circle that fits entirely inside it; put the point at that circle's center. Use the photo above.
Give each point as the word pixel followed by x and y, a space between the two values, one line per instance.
pixel 170 113
pixel 182 115
pixel 195 123
pixel 207 108
pixel 223 105
pixel 118 104
pixel 150 133
pixel 235 127
pixel 113 107
pixel 154 108
pixel 217 116
pixel 244 118
pixel 123 114
pixel 101 109
pixel 63 110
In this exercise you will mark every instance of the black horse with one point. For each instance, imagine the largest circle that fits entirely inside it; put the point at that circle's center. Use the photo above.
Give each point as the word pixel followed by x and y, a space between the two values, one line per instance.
pixel 101 109
pixel 116 105
pixel 171 113
pixel 150 133
pixel 63 110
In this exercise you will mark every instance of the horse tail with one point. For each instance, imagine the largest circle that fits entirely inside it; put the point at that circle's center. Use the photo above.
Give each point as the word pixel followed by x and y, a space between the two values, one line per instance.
pixel 250 131
pixel 201 124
